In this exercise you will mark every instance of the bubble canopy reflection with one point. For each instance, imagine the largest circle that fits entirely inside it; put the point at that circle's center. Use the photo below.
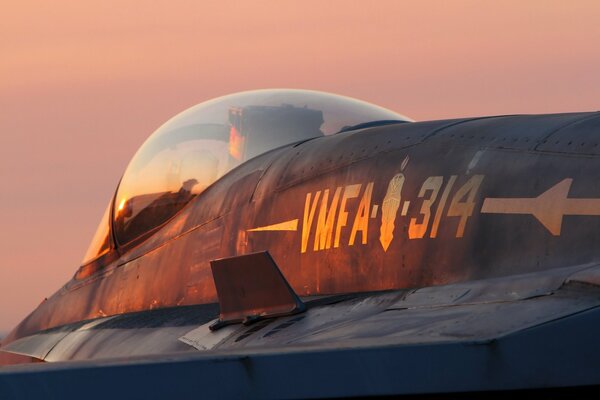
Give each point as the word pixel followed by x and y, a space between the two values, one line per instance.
pixel 198 146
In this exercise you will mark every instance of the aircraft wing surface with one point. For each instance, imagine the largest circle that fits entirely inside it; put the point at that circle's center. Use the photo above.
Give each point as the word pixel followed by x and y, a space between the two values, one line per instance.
pixel 510 333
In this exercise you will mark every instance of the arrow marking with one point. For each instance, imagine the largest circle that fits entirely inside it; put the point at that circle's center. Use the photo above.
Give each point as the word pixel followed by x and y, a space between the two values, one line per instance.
pixel 291 225
pixel 548 208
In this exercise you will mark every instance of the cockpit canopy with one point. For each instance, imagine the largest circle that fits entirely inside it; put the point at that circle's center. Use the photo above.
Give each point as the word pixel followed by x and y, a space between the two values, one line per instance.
pixel 195 148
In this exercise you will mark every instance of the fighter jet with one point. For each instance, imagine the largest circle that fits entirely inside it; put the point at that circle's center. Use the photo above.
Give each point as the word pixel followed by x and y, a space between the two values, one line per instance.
pixel 298 244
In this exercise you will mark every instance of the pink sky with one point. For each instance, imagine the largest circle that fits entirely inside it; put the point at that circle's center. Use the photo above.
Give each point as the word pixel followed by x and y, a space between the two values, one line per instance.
pixel 82 85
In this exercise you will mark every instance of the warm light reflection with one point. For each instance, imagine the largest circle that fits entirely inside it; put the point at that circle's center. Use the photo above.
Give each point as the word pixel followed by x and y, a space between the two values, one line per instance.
pixel 121 205
pixel 160 185
pixel 236 144
pixel 101 241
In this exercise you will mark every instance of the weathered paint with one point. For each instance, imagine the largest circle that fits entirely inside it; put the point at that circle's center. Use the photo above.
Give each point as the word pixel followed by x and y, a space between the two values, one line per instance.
pixel 439 218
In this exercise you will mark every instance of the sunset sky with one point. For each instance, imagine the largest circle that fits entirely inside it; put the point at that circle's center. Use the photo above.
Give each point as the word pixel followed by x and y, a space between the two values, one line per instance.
pixel 83 83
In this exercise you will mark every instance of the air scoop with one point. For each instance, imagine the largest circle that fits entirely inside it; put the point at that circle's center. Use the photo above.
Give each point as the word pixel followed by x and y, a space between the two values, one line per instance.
pixel 250 288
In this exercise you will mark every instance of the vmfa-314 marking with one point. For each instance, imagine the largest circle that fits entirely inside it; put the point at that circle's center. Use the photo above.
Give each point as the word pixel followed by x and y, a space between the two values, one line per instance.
pixel 327 213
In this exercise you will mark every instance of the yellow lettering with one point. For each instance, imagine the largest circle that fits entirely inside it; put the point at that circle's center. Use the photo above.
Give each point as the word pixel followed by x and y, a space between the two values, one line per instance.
pixel 309 214
pixel 326 220
pixel 464 209
pixel 350 192
pixel 416 230
pixel 440 207
pixel 361 221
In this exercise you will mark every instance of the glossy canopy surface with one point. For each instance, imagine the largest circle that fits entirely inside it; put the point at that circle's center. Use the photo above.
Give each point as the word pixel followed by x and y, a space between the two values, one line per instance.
pixel 195 148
